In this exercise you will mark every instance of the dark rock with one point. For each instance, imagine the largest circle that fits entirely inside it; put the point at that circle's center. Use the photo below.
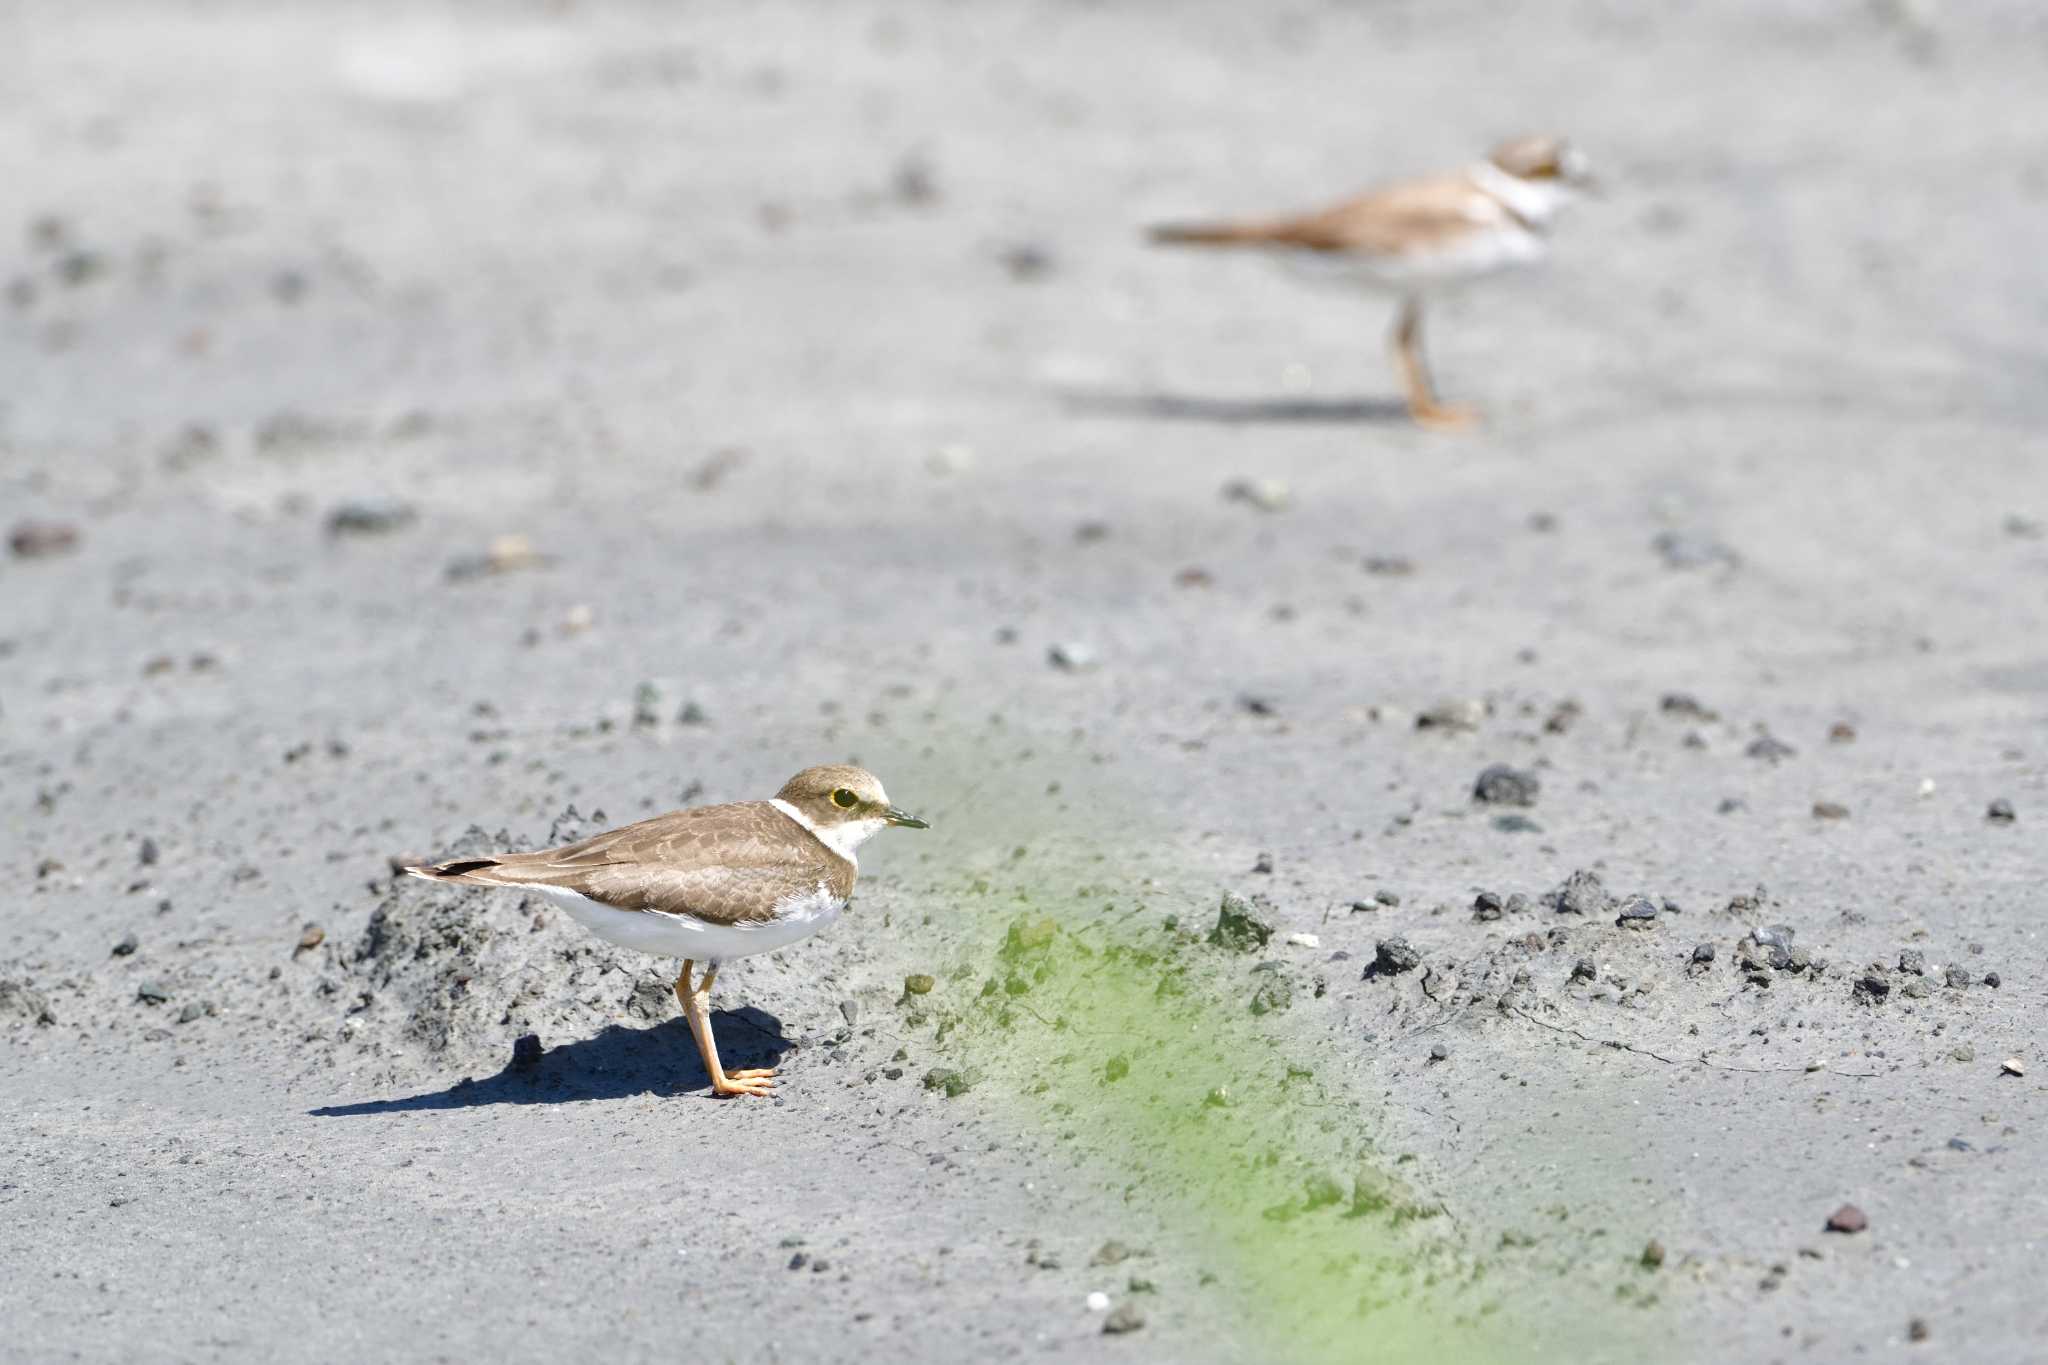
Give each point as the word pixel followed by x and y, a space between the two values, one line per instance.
pixel 1562 717
pixel 1263 864
pixel 1391 957
pixel 1847 1218
pixel 1686 705
pixel 1769 748
pixel 1486 906
pixel 1841 732
pixel 1917 989
pixel 1439 1052
pixel 147 853
pixel 152 992
pixel 918 984
pixel 1830 810
pixel 42 539
pixel 1238 928
pixel 1122 1318
pixel 1638 913
pixel 1501 785
pixel 1585 969
pixel 1387 898
pixel 1389 566
pixel 370 518
pixel 799 1260
pixel 2000 812
pixel 1581 894
pixel 526 1052
pixel 1917 1329
pixel 1703 952
pixel 1452 715
pixel 1873 987
pixel 1991 980
pixel 1912 960
pixel 1958 978
pixel 1653 1254
pixel 127 946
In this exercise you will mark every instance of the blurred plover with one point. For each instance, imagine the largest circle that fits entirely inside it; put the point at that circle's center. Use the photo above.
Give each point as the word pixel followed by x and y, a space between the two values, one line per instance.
pixel 1421 237
pixel 709 884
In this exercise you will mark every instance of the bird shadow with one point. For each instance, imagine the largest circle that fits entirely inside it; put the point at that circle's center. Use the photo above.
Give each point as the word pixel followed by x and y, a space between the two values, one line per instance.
pixel 617 1063
pixel 1180 407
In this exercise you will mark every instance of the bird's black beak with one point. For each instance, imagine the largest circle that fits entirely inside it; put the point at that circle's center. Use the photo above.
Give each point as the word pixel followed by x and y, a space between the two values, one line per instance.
pixel 904 818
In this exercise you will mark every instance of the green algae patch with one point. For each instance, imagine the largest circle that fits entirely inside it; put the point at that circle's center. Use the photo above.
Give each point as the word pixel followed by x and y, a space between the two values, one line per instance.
pixel 1134 1041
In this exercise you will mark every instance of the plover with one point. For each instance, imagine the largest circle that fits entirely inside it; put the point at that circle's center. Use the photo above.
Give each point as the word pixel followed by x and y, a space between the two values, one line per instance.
pixel 709 884
pixel 1422 237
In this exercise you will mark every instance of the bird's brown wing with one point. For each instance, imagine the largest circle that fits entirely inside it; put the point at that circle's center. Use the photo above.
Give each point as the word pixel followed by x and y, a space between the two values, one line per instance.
pixel 1416 217
pixel 720 864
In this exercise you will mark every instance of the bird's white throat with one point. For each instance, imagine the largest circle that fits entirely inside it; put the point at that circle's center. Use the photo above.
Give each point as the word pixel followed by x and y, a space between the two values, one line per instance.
pixel 1533 201
pixel 842 838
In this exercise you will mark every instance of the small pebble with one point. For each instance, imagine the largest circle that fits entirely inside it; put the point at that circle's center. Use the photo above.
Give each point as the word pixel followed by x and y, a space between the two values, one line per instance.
pixel 127 946
pixel 1439 1052
pixel 2000 812
pixel 918 984
pixel 1703 952
pixel 1304 940
pixel 1847 1218
pixel 42 539
pixel 1770 749
pixel 1917 1330
pixel 2013 1066
pixel 1098 1302
pixel 1830 810
pixel 1071 657
pixel 1501 785
pixel 1653 1254
pixel 1124 1318
pixel 312 936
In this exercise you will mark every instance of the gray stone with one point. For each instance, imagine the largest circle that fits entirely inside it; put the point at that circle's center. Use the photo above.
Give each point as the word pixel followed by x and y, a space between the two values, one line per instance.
pixel 1392 956
pixel 1238 927
pixel 1581 894
pixel 1501 785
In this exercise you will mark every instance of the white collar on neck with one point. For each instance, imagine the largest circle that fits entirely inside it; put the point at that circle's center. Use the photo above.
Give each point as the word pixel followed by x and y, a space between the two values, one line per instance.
pixel 1535 202
pixel 843 838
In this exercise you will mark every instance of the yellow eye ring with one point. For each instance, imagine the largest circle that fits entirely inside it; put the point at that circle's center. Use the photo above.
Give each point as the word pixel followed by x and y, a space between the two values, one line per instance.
pixel 845 799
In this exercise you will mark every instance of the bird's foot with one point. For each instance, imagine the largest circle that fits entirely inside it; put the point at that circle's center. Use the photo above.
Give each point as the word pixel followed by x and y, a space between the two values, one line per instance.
pixel 1445 416
pixel 752 1081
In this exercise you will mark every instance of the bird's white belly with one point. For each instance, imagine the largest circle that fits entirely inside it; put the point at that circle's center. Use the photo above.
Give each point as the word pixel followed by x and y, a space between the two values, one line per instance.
pixel 1467 257
pixel 650 931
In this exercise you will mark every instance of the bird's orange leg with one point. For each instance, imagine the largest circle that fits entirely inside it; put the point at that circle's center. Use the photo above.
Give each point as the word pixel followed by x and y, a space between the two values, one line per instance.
pixel 1422 401
pixel 696 1003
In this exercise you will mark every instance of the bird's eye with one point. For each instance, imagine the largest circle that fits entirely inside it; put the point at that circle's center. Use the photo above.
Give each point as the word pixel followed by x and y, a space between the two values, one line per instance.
pixel 845 799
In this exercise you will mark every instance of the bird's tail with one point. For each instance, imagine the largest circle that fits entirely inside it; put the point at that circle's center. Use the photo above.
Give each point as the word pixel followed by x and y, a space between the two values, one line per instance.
pixel 457 870
pixel 1209 234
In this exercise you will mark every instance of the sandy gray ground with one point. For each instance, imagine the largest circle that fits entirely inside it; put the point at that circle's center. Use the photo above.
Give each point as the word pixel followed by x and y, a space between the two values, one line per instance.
pixel 816 350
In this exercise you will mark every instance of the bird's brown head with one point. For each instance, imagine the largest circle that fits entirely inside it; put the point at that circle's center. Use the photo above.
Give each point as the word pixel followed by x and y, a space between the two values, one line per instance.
pixel 1543 159
pixel 843 804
